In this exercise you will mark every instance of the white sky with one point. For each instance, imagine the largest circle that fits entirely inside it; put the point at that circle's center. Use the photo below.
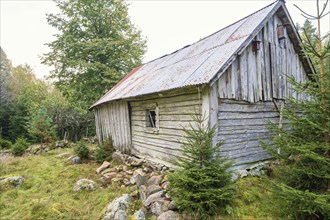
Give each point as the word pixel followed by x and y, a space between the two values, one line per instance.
pixel 168 25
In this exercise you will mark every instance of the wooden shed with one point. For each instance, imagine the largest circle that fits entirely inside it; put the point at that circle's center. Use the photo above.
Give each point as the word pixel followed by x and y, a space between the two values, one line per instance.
pixel 237 77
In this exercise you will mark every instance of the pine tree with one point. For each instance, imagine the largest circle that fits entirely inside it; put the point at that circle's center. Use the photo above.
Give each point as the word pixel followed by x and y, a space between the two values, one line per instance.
pixel 302 181
pixel 202 185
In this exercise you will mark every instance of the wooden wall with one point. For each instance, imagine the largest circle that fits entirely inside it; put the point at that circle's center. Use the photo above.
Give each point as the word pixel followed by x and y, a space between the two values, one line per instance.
pixel 242 126
pixel 112 120
pixel 175 113
pixel 262 75
pixel 247 90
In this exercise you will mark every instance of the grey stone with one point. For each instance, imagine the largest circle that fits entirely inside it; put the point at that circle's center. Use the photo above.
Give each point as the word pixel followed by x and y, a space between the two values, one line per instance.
pixel 12 181
pixel 154 180
pixel 152 198
pixel 159 206
pixel 169 215
pixel 139 178
pixel 242 173
pixel 120 203
pixel 84 184
pixel 153 189
pixel 139 215
pixel 120 215
pixel 104 166
pixel 172 206
pixel 108 170
pixel 75 160
pixel 135 162
pixel 143 194
pixel 165 185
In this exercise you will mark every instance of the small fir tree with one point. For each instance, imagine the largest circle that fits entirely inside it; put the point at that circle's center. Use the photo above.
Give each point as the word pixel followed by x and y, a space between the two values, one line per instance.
pixel 202 185
pixel 42 127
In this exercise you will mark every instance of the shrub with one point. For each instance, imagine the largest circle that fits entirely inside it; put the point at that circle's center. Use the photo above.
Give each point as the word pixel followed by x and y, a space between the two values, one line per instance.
pixel 20 146
pixel 203 184
pixel 5 144
pixel 82 150
pixel 104 151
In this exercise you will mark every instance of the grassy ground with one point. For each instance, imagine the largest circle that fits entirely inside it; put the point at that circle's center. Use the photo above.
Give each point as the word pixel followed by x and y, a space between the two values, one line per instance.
pixel 47 192
pixel 255 200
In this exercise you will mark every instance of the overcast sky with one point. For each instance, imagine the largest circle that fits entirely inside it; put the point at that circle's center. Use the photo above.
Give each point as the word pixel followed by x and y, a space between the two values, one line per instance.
pixel 167 25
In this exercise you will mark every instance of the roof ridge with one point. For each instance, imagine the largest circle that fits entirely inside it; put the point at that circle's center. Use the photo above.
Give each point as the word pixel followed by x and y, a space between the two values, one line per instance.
pixel 165 55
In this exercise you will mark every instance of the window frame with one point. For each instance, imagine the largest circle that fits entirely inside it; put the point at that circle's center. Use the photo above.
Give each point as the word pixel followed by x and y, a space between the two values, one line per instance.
pixel 150 129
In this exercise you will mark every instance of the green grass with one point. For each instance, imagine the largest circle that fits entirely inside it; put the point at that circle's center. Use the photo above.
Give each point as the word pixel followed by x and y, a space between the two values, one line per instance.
pixel 47 192
pixel 254 200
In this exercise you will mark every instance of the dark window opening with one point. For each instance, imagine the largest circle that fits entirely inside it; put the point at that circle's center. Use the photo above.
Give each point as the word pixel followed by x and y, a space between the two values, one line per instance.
pixel 151 118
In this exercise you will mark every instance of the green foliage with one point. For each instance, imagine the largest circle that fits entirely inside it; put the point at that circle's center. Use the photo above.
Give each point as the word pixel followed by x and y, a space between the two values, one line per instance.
pixel 82 150
pixel 96 45
pixel 303 177
pixel 20 146
pixel 5 144
pixel 42 127
pixel 203 184
pixel 104 151
pixel 22 99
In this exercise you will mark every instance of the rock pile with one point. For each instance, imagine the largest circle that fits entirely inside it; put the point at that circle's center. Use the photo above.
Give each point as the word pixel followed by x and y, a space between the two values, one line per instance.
pixel 39 149
pixel 150 181
pixel 117 208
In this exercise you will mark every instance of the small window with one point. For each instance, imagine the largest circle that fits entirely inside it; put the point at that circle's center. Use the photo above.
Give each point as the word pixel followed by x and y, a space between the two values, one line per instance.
pixel 151 118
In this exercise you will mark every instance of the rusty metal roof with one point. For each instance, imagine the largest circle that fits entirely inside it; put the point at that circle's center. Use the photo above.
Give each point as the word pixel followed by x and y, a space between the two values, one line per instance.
pixel 195 64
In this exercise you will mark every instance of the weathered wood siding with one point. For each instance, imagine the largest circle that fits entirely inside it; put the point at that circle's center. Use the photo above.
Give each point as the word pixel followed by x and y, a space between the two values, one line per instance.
pixel 263 74
pixel 112 120
pixel 175 113
pixel 242 126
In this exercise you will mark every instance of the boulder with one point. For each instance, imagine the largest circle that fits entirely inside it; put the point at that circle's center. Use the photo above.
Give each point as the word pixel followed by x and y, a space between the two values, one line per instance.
pixel 120 215
pixel 134 162
pixel 108 170
pixel 75 160
pixel 172 206
pixel 139 215
pixel 139 178
pixel 153 198
pixel 159 207
pixel 110 175
pixel 117 208
pixel 104 166
pixel 11 182
pixel 153 189
pixel 169 215
pixel 154 180
pixel 84 184
pixel 165 185
pixel 143 195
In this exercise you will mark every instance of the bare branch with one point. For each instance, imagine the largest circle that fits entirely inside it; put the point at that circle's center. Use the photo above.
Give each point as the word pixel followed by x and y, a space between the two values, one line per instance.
pixel 306 14
pixel 324 7
pixel 325 14
pixel 309 18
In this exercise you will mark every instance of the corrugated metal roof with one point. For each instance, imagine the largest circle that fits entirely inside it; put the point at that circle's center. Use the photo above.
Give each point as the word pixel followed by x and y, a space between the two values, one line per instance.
pixel 195 64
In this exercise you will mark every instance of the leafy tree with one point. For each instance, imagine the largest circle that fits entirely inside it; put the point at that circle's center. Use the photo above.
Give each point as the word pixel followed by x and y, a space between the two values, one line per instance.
pixel 5 68
pixel 202 185
pixel 303 178
pixel 96 45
